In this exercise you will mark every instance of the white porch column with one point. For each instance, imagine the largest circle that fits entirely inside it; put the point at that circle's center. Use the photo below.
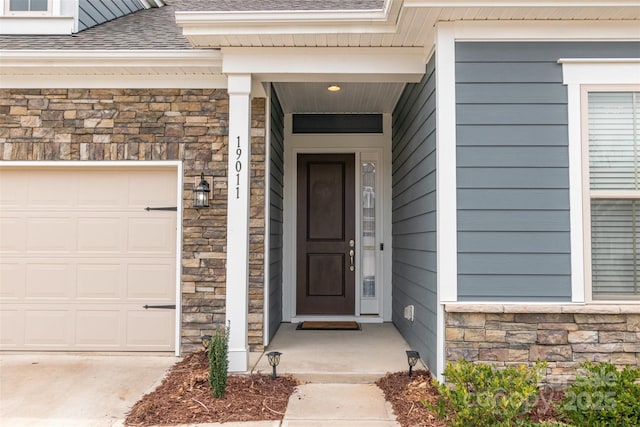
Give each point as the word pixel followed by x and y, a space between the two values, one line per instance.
pixel 237 303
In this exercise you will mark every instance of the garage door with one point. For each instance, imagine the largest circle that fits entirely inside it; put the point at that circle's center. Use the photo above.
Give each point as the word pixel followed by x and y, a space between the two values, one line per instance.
pixel 80 257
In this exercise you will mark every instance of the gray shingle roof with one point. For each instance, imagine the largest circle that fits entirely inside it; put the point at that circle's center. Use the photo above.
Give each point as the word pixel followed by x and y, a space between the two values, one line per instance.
pixel 157 29
pixel 146 29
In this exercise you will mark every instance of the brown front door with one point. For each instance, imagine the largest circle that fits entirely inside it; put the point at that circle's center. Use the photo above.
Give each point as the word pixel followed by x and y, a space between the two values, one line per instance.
pixel 325 273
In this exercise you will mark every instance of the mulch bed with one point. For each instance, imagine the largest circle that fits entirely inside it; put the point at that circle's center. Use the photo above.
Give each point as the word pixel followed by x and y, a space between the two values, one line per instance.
pixel 185 397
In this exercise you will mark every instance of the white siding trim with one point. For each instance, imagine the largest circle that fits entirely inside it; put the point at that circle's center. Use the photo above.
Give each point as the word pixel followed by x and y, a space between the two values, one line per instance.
pixel 267 218
pixel 447 248
pixel 578 73
pixel 116 81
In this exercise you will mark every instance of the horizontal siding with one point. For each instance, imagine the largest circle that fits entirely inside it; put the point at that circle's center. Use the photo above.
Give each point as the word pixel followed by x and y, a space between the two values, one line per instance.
pixel 276 209
pixel 414 277
pixel 512 168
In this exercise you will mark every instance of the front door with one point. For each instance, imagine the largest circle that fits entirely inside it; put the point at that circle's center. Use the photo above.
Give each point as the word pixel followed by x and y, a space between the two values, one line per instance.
pixel 325 269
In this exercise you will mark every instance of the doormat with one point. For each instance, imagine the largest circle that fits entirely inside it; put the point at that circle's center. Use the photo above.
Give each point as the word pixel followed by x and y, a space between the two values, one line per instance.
pixel 328 326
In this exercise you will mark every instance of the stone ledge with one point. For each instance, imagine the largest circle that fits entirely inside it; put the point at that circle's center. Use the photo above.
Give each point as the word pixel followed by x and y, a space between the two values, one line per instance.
pixel 543 308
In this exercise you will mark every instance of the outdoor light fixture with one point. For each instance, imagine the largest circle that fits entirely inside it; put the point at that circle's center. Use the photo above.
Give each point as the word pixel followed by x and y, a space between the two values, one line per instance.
pixel 201 193
pixel 412 359
pixel 206 339
pixel 274 360
pixel 334 88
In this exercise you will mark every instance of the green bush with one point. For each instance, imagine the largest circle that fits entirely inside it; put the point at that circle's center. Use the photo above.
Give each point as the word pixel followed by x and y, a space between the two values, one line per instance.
pixel 483 395
pixel 218 354
pixel 602 395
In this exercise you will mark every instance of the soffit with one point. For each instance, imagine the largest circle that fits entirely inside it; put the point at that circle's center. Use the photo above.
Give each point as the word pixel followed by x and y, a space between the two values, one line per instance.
pixel 412 25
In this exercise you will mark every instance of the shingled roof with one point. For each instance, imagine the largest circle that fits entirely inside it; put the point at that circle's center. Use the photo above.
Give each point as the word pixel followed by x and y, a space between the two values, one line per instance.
pixel 157 29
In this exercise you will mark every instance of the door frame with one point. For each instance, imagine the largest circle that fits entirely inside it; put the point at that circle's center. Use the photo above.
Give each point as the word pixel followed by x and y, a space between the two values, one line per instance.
pixel 174 165
pixel 378 145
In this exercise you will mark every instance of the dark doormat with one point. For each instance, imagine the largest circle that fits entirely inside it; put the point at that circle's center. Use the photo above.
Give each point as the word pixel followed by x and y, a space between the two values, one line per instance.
pixel 328 326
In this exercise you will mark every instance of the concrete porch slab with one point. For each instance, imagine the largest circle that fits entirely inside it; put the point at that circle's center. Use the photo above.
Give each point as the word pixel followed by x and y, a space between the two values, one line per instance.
pixel 337 356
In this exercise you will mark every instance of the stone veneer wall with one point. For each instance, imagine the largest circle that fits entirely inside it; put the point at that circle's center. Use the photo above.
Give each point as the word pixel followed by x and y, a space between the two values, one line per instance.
pixel 563 335
pixel 155 124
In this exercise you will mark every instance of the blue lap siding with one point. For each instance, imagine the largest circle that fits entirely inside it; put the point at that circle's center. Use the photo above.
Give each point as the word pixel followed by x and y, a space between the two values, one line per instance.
pixel 414 215
pixel 513 168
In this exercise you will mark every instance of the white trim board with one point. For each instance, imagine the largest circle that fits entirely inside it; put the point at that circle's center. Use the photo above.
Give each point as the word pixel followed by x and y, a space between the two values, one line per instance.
pixel 135 164
pixel 578 73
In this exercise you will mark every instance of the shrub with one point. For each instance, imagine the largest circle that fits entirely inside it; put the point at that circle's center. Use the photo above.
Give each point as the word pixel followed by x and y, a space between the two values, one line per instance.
pixel 602 395
pixel 218 354
pixel 483 395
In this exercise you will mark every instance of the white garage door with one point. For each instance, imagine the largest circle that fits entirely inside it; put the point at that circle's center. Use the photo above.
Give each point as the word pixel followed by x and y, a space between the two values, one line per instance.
pixel 80 257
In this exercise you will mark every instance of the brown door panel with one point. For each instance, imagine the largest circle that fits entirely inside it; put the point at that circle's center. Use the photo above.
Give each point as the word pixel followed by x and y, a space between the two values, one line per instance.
pixel 326 224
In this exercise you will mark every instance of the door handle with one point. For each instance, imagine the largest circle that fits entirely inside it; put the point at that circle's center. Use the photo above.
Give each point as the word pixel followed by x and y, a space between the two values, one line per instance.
pixel 351 255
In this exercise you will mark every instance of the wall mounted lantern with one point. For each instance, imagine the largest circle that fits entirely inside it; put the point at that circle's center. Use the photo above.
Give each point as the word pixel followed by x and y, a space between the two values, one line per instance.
pixel 274 360
pixel 412 359
pixel 201 193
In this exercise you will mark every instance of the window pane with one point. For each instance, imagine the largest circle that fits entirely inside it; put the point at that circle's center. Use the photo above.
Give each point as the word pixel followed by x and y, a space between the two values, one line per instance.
pixel 19 5
pixel 615 247
pixel 613 141
pixel 39 5
pixel 368 229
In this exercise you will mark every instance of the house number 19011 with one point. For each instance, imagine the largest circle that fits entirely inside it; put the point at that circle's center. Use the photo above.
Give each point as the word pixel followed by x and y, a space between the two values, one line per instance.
pixel 238 168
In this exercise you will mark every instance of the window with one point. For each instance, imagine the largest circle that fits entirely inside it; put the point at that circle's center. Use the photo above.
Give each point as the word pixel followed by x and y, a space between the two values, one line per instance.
pixel 28 6
pixel 613 171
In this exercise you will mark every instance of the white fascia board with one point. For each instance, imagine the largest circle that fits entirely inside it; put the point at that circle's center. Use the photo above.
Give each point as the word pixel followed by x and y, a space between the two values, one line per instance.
pixel 343 61
pixel 546 30
pixel 41 25
pixel 290 21
pixel 114 81
pixel 515 3
pixel 196 58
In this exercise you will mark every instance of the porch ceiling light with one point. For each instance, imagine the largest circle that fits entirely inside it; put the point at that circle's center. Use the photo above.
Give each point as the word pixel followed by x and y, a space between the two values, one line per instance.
pixel 334 88
pixel 412 359
pixel 274 360
pixel 201 193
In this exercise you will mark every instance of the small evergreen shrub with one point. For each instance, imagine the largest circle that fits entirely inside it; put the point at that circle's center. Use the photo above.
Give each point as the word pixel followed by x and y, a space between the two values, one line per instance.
pixel 602 395
pixel 218 354
pixel 482 395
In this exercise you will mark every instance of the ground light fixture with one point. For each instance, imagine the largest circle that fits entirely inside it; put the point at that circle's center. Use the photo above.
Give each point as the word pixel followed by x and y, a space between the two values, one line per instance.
pixel 412 358
pixel 206 339
pixel 274 360
pixel 201 193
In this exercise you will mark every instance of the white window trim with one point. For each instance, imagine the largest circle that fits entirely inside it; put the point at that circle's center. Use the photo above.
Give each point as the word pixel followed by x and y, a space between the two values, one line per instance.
pixel 9 12
pixel 581 76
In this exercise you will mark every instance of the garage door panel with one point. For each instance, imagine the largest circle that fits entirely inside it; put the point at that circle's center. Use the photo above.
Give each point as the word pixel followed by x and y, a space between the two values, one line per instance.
pixel 13 280
pixel 57 190
pixel 152 235
pixel 50 281
pixel 154 283
pixel 48 328
pixel 99 328
pixel 100 281
pixel 12 234
pixel 101 189
pixel 79 257
pixel 50 234
pixel 100 235
pixel 145 329
pixel 153 188
pixel 11 328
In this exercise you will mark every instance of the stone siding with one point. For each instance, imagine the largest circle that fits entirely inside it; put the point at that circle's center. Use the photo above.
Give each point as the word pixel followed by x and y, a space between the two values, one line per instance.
pixel 563 336
pixel 155 124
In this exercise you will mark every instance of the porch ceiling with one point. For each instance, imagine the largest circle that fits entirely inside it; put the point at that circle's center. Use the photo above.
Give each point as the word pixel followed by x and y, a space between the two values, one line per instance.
pixel 298 97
